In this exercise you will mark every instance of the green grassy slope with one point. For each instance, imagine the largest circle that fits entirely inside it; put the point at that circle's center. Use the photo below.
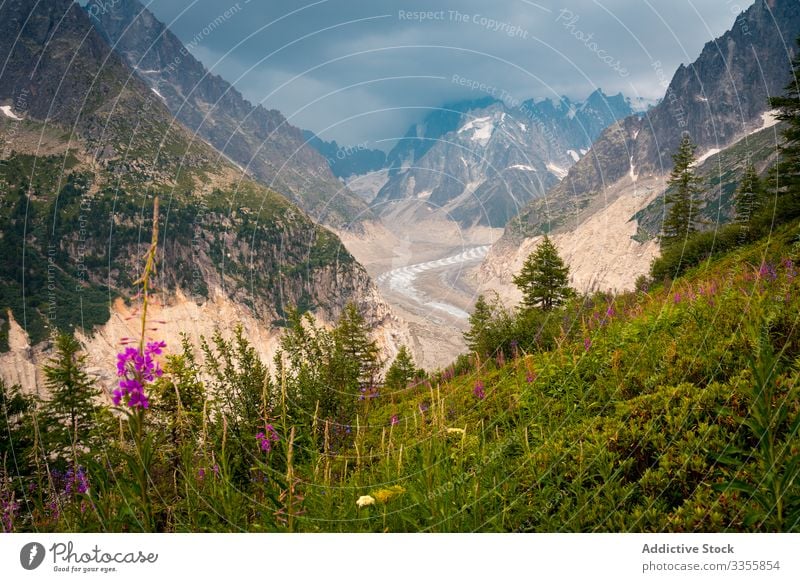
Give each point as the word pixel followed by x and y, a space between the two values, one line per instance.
pixel 620 431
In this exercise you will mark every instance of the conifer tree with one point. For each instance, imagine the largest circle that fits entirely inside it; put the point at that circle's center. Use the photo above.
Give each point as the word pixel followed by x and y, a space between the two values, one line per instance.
pixel 308 371
pixel 682 189
pixel 402 370
pixel 749 195
pixel 480 324
pixel 786 175
pixel 352 337
pixel 71 412
pixel 544 278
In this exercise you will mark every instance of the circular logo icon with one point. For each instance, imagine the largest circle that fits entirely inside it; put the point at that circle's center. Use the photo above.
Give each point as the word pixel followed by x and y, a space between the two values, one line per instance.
pixel 31 555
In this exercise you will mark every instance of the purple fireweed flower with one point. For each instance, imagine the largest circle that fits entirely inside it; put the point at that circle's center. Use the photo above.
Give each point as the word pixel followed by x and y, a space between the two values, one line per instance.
pixel 8 512
pixel 76 482
pixel 530 377
pixel 215 470
pixel 677 298
pixel 587 343
pixel 767 271
pixel 137 369
pixel 54 511
pixel 478 391
pixel 155 348
pixel 267 438
pixel 201 473
pixel 395 420
pixel 82 481
pixel 788 265
pixel 9 509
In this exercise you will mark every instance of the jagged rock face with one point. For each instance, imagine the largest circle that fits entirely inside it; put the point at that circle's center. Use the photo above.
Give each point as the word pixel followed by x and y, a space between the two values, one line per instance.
pixel 720 175
pixel 482 162
pixel 60 71
pixel 725 91
pixel 563 207
pixel 719 98
pixel 421 137
pixel 174 317
pixel 43 70
pixel 260 140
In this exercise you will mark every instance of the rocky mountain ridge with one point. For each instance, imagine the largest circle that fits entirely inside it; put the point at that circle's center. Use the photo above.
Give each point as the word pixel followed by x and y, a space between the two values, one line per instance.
pixel 261 141
pixel 482 161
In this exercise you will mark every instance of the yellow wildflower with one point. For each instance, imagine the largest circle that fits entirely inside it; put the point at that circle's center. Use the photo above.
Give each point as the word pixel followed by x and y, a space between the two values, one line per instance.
pixel 386 495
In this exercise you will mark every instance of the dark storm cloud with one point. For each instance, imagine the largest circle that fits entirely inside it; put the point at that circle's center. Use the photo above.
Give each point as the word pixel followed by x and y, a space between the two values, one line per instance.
pixel 362 71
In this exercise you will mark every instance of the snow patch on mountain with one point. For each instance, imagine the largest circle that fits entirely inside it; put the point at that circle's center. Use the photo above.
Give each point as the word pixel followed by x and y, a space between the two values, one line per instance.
pixel 482 128
pixel 8 112
pixel 769 119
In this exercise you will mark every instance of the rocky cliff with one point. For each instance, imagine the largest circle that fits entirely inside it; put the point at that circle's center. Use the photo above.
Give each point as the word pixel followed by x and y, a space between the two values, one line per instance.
pixel 260 140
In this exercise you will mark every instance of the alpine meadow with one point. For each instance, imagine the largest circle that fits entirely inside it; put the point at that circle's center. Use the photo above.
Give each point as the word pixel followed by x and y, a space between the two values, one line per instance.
pixel 358 268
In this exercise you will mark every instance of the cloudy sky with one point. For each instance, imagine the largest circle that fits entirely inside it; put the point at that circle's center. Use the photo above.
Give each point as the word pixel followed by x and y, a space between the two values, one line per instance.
pixel 360 71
